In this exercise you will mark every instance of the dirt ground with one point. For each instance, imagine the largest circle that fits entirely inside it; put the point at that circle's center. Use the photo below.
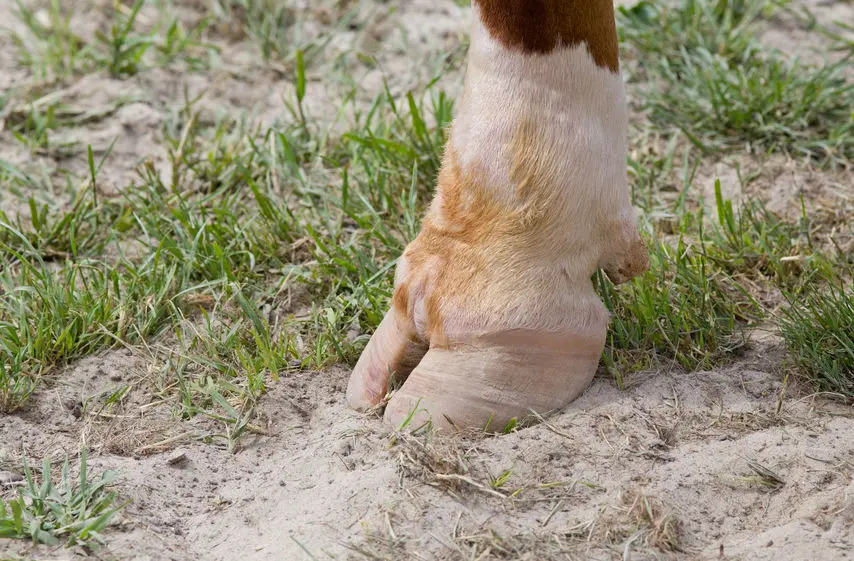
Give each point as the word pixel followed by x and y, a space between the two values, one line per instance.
pixel 740 463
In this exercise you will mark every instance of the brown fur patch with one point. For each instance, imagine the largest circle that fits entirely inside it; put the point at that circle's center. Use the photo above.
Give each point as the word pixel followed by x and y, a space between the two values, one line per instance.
pixel 469 211
pixel 540 26
pixel 400 299
pixel 469 225
pixel 435 325
pixel 534 169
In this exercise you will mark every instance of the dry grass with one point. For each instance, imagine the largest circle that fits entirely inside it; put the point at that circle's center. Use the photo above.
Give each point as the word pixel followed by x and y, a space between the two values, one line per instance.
pixel 637 520
pixel 446 464
pixel 637 524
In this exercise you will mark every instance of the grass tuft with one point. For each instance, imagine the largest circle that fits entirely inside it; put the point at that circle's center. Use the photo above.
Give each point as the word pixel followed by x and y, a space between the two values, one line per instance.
pixel 725 28
pixel 51 315
pixel 818 328
pixel 682 310
pixel 54 51
pixel 712 80
pixel 754 243
pixel 73 512
pixel 763 106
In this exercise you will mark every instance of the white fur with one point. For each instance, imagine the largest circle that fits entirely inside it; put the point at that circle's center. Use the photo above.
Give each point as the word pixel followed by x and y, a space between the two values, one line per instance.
pixel 575 105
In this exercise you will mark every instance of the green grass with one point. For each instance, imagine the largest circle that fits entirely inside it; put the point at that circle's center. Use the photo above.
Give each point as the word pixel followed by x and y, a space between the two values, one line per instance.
pixel 769 105
pixel 52 315
pixel 683 310
pixel 818 328
pixel 725 28
pixel 710 79
pixel 268 23
pixel 275 28
pixel 54 51
pixel 83 230
pixel 222 230
pixel 752 242
pixel 69 512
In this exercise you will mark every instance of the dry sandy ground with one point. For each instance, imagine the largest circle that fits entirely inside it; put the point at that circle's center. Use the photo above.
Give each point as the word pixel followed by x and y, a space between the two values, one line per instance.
pixel 327 483
pixel 729 464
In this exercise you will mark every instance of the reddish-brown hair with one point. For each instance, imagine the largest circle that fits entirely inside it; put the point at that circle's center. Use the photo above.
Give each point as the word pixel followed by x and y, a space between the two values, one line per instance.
pixel 539 26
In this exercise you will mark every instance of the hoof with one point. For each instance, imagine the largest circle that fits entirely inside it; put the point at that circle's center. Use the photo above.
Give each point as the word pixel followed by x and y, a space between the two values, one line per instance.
pixel 487 384
pixel 393 350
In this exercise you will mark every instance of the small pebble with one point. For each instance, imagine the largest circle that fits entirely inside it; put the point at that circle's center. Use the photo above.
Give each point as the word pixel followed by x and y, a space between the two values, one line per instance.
pixel 176 458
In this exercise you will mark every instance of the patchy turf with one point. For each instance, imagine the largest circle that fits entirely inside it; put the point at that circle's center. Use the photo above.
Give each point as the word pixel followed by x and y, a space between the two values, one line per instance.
pixel 201 207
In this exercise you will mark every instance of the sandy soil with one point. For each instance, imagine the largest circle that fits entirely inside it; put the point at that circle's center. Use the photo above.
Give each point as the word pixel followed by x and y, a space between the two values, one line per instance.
pixel 327 483
pixel 730 464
